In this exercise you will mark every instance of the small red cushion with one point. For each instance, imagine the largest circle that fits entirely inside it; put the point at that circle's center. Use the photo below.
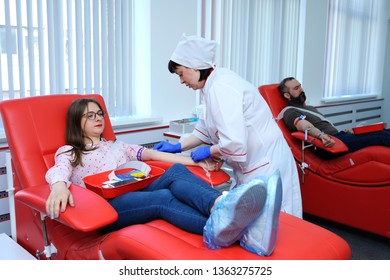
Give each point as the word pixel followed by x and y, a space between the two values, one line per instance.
pixel 338 147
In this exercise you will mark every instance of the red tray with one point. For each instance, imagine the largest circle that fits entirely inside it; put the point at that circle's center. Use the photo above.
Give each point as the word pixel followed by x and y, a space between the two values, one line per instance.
pixel 369 128
pixel 95 182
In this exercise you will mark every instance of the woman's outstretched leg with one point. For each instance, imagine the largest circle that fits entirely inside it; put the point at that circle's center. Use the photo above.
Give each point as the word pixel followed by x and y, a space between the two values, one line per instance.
pixel 187 187
pixel 142 207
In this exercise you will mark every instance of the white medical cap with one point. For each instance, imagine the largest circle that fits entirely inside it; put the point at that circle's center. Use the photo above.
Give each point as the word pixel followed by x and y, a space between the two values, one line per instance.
pixel 195 52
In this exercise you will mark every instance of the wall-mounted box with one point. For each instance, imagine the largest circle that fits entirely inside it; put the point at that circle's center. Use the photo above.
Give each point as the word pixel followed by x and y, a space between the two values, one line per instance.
pixel 183 126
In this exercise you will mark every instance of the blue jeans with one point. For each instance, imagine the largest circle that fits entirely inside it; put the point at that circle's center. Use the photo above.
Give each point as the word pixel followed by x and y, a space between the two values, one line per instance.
pixel 177 196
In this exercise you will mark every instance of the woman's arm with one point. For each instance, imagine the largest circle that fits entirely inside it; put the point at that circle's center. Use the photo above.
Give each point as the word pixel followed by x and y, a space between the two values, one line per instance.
pixel 58 199
pixel 210 164
pixel 149 154
pixel 58 177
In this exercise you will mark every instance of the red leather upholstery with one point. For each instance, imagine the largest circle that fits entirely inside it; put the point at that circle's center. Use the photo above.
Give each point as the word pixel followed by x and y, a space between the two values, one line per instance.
pixel 338 147
pixel 353 189
pixel 35 129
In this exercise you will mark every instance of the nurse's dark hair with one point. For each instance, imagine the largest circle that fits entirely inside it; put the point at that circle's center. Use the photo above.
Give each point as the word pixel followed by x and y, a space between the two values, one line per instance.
pixel 282 85
pixel 204 73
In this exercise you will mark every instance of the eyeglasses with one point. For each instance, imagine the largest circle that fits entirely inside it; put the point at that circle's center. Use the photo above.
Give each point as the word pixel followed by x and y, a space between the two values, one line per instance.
pixel 92 115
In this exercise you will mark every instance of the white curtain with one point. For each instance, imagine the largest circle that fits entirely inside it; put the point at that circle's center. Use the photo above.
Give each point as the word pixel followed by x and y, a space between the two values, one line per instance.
pixel 352 54
pixel 67 46
pixel 259 39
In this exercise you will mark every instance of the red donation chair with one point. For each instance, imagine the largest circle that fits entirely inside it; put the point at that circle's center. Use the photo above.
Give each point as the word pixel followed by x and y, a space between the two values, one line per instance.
pixel 353 189
pixel 35 128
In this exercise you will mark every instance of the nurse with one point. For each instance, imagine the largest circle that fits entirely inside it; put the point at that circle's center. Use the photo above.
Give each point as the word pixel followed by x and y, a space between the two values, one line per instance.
pixel 237 124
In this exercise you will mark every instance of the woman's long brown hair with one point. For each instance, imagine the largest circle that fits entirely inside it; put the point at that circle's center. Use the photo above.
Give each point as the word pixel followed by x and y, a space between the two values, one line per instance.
pixel 75 136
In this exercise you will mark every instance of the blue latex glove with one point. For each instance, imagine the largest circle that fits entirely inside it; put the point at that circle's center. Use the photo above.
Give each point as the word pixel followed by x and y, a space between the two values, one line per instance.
pixel 165 146
pixel 201 153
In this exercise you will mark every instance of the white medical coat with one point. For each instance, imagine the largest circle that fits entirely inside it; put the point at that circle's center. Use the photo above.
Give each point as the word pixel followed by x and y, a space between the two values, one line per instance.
pixel 238 119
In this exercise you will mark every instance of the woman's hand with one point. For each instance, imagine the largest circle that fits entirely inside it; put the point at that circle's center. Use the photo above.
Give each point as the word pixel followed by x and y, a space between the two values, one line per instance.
pixel 58 199
pixel 211 164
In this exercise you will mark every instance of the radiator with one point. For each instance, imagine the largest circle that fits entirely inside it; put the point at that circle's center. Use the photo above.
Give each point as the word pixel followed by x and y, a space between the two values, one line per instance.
pixel 348 115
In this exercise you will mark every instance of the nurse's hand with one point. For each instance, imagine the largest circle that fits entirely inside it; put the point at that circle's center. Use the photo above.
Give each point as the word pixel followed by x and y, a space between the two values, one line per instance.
pixel 165 146
pixel 201 153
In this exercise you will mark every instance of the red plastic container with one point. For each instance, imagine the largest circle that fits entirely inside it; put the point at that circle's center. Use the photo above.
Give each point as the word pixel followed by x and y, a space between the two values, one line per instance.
pixel 95 182
pixel 369 128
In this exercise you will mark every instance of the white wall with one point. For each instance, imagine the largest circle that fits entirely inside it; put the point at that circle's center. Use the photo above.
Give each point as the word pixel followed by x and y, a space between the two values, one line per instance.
pixel 170 19
pixel 313 71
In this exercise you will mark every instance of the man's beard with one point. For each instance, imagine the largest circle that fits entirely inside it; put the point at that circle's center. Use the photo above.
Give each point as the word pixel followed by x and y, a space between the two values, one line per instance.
pixel 300 99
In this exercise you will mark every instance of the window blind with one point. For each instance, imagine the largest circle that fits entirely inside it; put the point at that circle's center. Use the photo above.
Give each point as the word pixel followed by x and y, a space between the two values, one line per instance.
pixel 259 39
pixel 67 46
pixel 352 54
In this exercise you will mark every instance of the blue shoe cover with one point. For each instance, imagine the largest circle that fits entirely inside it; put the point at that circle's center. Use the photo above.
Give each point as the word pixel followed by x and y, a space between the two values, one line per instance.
pixel 233 213
pixel 260 236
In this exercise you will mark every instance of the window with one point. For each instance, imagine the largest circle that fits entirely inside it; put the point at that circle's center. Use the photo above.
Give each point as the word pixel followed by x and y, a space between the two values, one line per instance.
pixel 260 40
pixel 71 46
pixel 352 55
pixel 11 44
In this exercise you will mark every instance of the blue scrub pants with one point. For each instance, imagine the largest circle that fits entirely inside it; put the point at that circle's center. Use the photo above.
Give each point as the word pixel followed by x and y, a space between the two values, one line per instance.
pixel 177 196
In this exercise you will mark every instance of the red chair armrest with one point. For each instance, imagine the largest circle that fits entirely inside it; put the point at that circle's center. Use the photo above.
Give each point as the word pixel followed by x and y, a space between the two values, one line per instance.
pixel 338 147
pixel 90 212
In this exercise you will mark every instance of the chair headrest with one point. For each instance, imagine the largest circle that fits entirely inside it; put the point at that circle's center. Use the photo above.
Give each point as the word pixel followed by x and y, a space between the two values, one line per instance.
pixel 35 129
pixel 274 99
